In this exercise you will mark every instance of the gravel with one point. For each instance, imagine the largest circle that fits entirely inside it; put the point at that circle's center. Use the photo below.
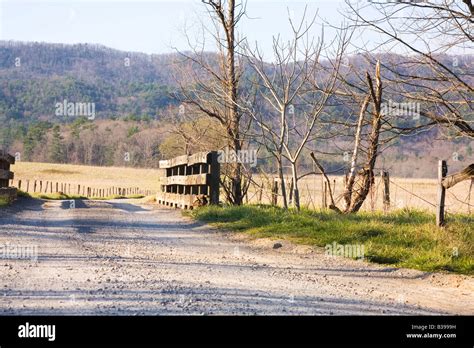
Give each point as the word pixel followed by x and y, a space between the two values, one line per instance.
pixel 121 257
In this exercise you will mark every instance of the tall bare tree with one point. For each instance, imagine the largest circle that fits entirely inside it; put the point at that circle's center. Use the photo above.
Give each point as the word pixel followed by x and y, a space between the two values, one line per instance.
pixel 210 83
pixel 432 34
pixel 296 93
pixel 360 178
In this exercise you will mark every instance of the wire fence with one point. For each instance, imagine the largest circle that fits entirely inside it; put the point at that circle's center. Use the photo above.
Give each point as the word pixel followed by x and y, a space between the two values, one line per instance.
pixel 404 193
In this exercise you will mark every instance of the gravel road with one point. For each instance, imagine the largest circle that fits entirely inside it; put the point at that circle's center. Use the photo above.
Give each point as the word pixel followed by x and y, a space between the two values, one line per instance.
pixel 126 258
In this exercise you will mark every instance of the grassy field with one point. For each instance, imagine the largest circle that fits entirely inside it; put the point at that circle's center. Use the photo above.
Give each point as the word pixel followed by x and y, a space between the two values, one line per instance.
pixel 419 194
pixel 403 238
pixel 89 176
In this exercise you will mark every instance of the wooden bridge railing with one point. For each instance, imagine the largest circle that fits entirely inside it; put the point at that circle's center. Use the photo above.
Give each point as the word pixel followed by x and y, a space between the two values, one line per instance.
pixel 190 180
pixel 6 175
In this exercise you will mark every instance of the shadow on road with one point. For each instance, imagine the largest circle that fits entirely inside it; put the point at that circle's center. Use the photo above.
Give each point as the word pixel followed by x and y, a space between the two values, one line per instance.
pixel 185 300
pixel 74 204
pixel 128 207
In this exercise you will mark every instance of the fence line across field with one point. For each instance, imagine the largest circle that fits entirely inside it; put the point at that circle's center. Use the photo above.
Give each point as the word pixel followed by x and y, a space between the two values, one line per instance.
pixel 413 194
pixel 47 186
pixel 381 197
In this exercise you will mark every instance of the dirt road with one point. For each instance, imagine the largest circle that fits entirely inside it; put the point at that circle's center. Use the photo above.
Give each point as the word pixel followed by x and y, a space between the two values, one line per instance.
pixel 120 257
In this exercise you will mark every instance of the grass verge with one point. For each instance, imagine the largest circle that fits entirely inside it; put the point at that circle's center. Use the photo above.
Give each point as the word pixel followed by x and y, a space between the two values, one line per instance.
pixel 3 202
pixel 403 238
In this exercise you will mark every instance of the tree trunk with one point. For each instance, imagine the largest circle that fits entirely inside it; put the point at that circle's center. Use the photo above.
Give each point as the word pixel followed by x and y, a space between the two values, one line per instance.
pixel 282 180
pixel 236 144
pixel 296 195
pixel 367 174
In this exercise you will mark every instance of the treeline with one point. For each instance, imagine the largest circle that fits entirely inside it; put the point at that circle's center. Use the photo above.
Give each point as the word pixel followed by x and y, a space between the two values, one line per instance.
pixel 36 76
pixel 101 143
pixel 133 94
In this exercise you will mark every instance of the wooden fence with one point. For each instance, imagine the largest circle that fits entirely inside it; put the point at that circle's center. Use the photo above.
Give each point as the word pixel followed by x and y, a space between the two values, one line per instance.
pixel 6 175
pixel 385 195
pixel 190 180
pixel 45 187
pixel 445 182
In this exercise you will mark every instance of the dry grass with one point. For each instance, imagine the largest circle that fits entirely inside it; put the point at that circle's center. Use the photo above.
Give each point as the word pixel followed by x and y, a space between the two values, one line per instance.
pixel 310 187
pixel 94 177
pixel 401 196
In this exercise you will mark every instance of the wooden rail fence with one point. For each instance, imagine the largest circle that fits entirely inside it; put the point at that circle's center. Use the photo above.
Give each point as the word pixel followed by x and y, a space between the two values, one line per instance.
pixel 447 181
pixel 46 186
pixel 191 180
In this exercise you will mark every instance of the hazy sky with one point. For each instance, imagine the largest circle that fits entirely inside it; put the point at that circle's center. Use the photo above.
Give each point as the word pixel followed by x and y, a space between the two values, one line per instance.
pixel 150 26
pixel 154 26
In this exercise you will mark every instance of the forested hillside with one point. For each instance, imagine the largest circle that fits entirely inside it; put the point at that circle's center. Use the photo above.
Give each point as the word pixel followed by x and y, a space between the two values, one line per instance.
pixel 133 95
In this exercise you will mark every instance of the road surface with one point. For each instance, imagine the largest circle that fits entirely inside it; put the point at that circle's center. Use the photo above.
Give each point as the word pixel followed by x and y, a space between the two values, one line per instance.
pixel 126 258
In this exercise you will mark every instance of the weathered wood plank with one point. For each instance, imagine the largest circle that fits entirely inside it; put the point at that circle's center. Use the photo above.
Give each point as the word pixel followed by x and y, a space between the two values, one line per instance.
pixel 5 157
pixel 196 179
pixel 200 157
pixel 176 199
pixel 6 174
pixel 214 180
pixel 453 179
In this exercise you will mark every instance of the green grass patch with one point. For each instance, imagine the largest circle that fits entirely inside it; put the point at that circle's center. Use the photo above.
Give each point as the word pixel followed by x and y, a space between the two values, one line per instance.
pixel 403 238
pixel 118 197
pixel 55 196
pixel 3 202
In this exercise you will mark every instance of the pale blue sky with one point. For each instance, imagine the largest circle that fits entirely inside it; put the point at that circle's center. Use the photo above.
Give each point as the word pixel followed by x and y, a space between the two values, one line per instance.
pixel 153 26
pixel 150 26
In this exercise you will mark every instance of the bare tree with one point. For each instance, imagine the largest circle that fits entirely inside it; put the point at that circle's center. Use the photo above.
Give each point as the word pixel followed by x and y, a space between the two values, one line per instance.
pixel 210 84
pixel 361 174
pixel 295 92
pixel 432 73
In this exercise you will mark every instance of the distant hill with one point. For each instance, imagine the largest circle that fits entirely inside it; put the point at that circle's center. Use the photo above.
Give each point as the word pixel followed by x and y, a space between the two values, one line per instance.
pixel 34 76
pixel 134 87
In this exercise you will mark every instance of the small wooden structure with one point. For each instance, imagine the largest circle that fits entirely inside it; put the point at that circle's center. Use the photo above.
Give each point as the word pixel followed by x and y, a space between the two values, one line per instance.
pixel 190 180
pixel 6 175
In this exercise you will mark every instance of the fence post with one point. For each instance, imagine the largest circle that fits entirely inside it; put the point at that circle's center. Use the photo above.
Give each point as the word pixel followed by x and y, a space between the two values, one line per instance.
pixel 275 192
pixel 442 171
pixel 290 198
pixel 325 195
pixel 386 190
pixel 214 177
pixel 323 204
pixel 469 196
